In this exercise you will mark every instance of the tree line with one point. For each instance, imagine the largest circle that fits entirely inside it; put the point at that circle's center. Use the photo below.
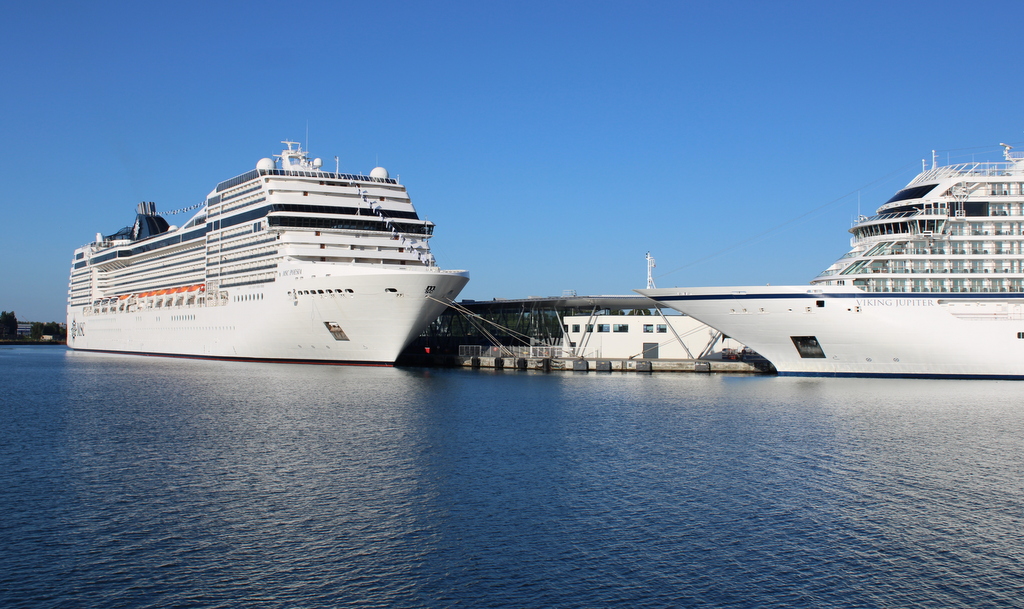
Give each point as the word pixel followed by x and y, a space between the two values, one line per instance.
pixel 9 328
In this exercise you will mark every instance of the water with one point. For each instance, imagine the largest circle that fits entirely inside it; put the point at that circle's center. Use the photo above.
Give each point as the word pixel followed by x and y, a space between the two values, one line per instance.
pixel 150 482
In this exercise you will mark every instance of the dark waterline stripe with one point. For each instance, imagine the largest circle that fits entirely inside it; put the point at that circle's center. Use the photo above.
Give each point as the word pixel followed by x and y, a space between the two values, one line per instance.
pixel 243 359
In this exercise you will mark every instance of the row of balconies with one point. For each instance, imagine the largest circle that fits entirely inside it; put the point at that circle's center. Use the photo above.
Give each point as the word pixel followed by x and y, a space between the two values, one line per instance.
pixel 942 271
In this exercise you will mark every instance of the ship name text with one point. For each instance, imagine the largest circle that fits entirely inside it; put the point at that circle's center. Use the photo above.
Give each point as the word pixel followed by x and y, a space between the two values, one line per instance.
pixel 894 302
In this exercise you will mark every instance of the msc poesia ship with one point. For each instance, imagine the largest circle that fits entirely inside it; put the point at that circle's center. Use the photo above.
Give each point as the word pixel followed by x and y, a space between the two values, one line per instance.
pixel 932 287
pixel 283 263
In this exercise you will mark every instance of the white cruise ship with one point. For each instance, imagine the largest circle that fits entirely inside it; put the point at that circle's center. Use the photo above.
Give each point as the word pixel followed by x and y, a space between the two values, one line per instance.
pixel 282 263
pixel 932 287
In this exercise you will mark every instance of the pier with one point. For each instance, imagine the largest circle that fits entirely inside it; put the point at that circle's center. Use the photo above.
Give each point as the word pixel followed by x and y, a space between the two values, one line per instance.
pixel 566 364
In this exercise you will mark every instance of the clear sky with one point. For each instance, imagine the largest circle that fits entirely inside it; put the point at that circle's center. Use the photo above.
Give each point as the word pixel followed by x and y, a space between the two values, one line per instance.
pixel 553 143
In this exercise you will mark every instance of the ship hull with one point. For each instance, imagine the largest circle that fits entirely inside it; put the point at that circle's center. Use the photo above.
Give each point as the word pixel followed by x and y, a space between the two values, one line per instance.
pixel 326 314
pixel 842 331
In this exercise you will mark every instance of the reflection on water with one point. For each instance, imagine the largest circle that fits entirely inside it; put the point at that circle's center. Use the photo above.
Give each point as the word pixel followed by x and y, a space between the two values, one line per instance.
pixel 137 481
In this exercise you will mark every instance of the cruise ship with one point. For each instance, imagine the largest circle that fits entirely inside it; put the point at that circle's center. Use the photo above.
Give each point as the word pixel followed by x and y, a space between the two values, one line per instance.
pixel 283 263
pixel 933 286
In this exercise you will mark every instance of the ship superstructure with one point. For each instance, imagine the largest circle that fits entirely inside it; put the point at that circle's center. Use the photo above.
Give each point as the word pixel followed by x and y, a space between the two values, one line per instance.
pixel 285 262
pixel 958 228
pixel 933 285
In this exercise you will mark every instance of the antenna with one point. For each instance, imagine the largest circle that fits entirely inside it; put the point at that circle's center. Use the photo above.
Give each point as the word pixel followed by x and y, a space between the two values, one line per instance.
pixel 650 268
pixel 337 166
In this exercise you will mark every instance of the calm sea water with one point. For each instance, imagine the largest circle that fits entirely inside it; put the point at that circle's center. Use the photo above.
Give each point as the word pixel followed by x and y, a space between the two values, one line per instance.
pixel 149 482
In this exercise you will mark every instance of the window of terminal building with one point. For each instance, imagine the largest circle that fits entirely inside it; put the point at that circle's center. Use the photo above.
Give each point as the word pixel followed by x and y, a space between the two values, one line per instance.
pixel 662 328
pixel 648 328
pixel 603 327
pixel 575 327
pixel 621 328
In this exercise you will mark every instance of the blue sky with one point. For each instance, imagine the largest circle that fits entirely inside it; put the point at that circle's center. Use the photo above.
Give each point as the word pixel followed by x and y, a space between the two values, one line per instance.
pixel 553 143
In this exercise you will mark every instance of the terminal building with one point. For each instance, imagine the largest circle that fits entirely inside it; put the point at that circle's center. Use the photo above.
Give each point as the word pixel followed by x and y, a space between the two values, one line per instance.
pixel 611 327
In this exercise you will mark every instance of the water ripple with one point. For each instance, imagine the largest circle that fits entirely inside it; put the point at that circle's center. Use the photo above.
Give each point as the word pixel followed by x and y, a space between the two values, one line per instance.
pixel 139 482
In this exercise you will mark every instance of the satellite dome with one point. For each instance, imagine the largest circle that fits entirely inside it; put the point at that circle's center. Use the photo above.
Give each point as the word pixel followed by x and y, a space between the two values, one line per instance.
pixel 379 172
pixel 318 163
pixel 266 164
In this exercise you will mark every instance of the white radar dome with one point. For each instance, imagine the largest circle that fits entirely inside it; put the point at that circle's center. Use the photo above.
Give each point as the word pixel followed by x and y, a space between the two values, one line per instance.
pixel 379 172
pixel 318 163
pixel 266 164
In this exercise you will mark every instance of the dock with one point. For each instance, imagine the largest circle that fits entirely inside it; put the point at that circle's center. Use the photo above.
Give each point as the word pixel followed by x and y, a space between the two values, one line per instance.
pixel 558 364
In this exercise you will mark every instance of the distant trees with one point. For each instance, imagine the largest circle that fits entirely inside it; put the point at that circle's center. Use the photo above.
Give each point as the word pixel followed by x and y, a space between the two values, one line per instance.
pixel 9 328
pixel 8 324
pixel 51 328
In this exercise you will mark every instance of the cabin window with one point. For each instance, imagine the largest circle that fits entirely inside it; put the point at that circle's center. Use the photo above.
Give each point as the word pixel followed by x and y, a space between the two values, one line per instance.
pixel 621 328
pixel 603 327
pixel 575 327
pixel 662 329
pixel 649 328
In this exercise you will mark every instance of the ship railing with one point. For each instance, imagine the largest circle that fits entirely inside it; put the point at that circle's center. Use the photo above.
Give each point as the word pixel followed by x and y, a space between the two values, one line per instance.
pixel 889 216
pixel 530 351
pixel 983 169
pixel 321 175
